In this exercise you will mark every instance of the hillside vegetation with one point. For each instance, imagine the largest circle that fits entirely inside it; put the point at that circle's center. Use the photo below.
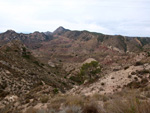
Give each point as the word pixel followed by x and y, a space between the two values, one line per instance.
pixel 74 72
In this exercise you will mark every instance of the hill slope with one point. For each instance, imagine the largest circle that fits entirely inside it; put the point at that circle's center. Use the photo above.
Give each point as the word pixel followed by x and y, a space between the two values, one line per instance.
pixel 21 73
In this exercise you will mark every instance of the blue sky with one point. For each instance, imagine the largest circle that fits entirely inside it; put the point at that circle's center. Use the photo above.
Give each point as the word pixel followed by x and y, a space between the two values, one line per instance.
pixel 125 17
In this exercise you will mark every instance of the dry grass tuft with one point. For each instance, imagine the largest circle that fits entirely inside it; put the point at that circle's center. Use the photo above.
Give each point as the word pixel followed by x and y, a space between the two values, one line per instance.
pixel 76 100
pixel 128 106
pixel 91 108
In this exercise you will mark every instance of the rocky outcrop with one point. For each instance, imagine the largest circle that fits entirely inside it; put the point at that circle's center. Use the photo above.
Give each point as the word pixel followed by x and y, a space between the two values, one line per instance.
pixel 60 30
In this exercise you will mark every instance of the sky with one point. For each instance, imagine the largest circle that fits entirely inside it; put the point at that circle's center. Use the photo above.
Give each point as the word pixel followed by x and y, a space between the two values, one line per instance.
pixel 115 17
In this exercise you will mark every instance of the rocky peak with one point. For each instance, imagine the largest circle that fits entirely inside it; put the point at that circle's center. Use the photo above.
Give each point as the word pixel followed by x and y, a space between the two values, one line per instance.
pixel 9 35
pixel 10 31
pixel 48 33
pixel 36 32
pixel 60 30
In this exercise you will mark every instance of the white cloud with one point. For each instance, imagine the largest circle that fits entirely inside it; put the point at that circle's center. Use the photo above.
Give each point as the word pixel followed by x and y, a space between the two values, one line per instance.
pixel 130 17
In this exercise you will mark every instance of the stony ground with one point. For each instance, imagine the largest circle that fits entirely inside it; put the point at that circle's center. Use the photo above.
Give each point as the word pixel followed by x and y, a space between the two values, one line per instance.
pixel 113 81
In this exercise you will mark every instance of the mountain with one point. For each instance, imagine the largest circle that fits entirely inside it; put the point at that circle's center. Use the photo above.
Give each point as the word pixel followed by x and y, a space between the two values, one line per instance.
pixel 31 40
pixel 60 30
pixel 48 33
pixel 65 46
pixel 123 43
pixel 73 71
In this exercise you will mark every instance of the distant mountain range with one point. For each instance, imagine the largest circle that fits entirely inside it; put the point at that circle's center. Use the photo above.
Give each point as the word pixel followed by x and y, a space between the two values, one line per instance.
pixel 36 39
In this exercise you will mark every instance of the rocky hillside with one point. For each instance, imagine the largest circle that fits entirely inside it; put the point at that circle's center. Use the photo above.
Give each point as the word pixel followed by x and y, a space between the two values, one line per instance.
pixel 31 40
pixel 73 72
pixel 21 73
pixel 64 45
pixel 134 76
pixel 122 43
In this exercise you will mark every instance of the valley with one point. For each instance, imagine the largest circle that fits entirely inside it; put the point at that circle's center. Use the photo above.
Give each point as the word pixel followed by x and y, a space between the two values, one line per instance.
pixel 74 72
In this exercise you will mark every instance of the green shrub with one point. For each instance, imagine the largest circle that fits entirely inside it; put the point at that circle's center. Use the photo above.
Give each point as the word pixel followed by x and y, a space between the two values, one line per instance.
pixel 26 56
pixel 23 49
pixel 138 63
pixel 8 49
pixel 77 79
pixel 15 50
pixel 3 94
pixel 89 71
pixel 144 71
pixel 55 91
pixel 126 67
pixel 148 54
pixel 37 63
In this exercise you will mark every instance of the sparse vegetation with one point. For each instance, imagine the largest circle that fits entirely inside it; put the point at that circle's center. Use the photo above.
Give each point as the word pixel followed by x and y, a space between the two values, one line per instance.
pixel 133 105
pixel 88 71
pixel 112 77
pixel 44 98
pixel 144 71
pixel 126 67
pixel 78 79
pixel 25 55
pixel 91 109
pixel 148 54
pixel 133 73
pixel 102 83
pixel 37 63
pixel 8 49
pixel 55 90
pixel 127 101
pixel 129 76
pixel 42 84
pixel 90 68
pixel 138 63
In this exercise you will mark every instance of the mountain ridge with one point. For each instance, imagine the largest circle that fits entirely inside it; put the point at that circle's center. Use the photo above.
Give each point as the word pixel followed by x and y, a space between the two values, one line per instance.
pixel 45 70
pixel 65 29
pixel 67 42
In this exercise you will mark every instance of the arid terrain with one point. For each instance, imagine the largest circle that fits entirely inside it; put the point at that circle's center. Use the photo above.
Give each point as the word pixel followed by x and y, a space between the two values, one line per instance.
pixel 74 72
